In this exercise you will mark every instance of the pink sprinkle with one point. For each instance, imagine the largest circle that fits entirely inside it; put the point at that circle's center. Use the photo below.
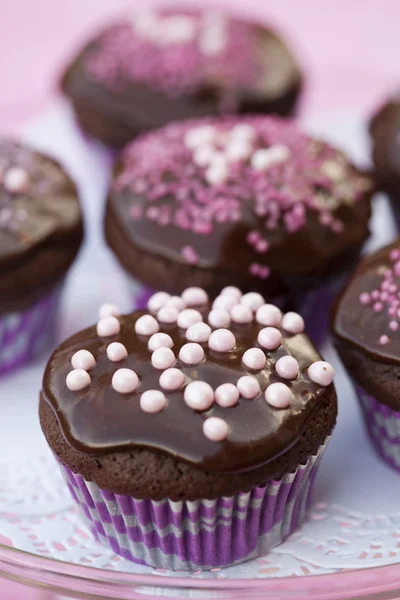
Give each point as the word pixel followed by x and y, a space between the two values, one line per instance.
pixel 227 395
pixel 109 310
pixel 108 326
pixel 152 401
pixel 278 395
pixel 191 354
pixel 254 358
pixel 384 339
pixel 125 381
pixel 394 325
pixel 375 295
pixel 262 246
pixel 160 340
pixel 378 307
pixel 172 379
pixel 116 352
pixel 219 317
pixel 287 367
pixel 199 332
pixel 253 300
pixel 77 380
pixel 394 254
pixel 190 255
pixel 199 395
pixel 241 314
pixel 195 296
pixel 293 323
pixel 248 387
pixel 162 358
pixel 215 429
pixel 365 298
pixel 225 302
pixel 384 296
pixel 231 290
pixel 253 237
pixel 83 359
pixel 146 325
pixel 168 314
pixel 269 338
pixel 222 340
pixel 188 317
pixel 16 180
pixel 177 302
pixel 321 372
pixel 157 301
pixel 269 315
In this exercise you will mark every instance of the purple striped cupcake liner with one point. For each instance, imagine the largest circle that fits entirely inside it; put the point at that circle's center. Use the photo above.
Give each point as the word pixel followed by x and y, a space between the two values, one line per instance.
pixel 202 534
pixel 383 426
pixel 25 335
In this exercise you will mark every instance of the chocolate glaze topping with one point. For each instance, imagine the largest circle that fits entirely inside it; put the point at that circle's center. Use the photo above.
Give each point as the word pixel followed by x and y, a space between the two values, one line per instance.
pixel 100 420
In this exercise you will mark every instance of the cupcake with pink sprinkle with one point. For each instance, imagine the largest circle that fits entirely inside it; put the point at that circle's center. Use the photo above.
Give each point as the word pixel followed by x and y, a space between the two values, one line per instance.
pixel 246 200
pixel 366 329
pixel 189 435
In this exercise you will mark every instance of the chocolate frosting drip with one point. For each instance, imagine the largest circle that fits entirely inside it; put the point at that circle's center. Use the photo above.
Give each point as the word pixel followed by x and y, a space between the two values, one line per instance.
pixel 99 420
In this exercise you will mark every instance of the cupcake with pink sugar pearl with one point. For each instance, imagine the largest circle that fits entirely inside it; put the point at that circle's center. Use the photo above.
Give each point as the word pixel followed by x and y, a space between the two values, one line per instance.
pixel 249 200
pixel 189 434
pixel 366 330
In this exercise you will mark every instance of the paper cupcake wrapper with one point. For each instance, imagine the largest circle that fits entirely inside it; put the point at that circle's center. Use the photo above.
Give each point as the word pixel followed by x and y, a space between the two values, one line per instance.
pixel 383 426
pixel 201 534
pixel 26 334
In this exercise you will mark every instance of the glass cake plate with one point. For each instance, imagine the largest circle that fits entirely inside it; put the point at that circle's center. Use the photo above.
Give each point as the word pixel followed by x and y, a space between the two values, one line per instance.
pixel 348 548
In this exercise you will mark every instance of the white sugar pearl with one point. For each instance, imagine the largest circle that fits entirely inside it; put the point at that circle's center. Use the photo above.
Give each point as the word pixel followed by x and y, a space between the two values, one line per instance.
pixel 160 340
pixel 109 310
pixel 254 358
pixel 269 315
pixel 77 380
pixel 199 332
pixel 83 359
pixel 162 358
pixel 172 379
pixel 195 296
pixel 199 395
pixel 222 340
pixel 241 314
pixel 189 317
pixel 287 367
pixel 253 300
pixel 146 325
pixel 108 326
pixel 219 317
pixel 191 354
pixel 215 429
pixel 269 338
pixel 200 136
pixel 157 301
pixel 231 290
pixel 16 179
pixel 248 387
pixel 168 314
pixel 225 302
pixel 321 372
pixel 226 395
pixel 116 352
pixel 152 401
pixel 293 323
pixel 218 172
pixel 125 381
pixel 266 157
pixel 278 395
pixel 177 302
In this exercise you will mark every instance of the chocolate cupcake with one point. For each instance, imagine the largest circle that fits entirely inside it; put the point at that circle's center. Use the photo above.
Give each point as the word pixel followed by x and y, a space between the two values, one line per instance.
pixel 167 64
pixel 367 337
pixel 40 234
pixel 249 200
pixel 385 134
pixel 188 439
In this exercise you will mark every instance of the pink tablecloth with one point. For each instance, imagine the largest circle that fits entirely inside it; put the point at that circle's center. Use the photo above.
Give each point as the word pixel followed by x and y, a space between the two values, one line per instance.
pixel 350 49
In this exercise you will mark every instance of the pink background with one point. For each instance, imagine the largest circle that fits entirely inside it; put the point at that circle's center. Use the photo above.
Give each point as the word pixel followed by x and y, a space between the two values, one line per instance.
pixel 350 49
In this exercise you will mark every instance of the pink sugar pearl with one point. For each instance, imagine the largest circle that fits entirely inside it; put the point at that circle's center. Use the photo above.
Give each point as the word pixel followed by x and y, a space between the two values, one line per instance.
pixel 254 358
pixel 269 315
pixel 199 395
pixel 77 380
pixel 160 340
pixel 248 387
pixel 195 296
pixel 278 395
pixel 125 381
pixel 162 358
pixel 152 401
pixel 227 395
pixel 321 372
pixel 109 310
pixel 225 302
pixel 146 325
pixel 253 300
pixel 116 352
pixel 108 326
pixel 293 323
pixel 241 314
pixel 231 290
pixel 172 379
pixel 269 338
pixel 219 317
pixel 199 332
pixel 222 340
pixel 168 314
pixel 157 301
pixel 191 354
pixel 177 302
pixel 215 429
pixel 189 317
pixel 83 359
pixel 287 367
